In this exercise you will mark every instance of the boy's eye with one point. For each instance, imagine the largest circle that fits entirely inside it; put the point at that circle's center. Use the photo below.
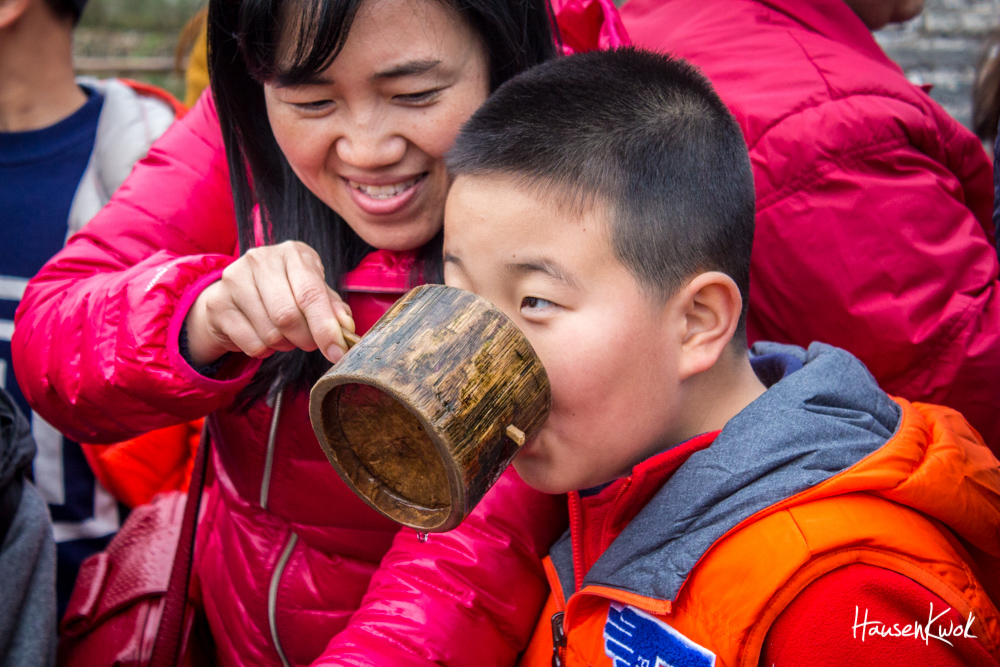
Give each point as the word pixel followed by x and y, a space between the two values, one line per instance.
pixel 417 98
pixel 534 303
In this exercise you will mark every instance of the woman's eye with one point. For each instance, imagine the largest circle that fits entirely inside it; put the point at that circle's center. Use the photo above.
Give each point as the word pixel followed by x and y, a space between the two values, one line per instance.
pixel 534 303
pixel 318 105
pixel 417 98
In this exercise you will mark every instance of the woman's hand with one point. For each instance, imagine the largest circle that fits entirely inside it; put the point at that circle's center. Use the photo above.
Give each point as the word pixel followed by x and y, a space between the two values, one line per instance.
pixel 272 298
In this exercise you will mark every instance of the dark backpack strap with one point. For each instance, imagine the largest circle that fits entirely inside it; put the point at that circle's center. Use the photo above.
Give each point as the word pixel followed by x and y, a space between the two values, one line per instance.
pixel 167 647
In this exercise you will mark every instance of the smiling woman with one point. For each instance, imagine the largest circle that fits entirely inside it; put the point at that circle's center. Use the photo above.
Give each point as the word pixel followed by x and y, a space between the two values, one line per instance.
pixel 367 134
pixel 174 303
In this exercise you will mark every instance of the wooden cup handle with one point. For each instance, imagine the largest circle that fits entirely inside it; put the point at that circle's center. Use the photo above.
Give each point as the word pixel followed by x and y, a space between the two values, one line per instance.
pixel 352 339
pixel 515 434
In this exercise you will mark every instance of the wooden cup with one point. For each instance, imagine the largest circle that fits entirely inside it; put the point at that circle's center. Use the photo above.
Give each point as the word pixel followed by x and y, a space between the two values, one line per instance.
pixel 422 416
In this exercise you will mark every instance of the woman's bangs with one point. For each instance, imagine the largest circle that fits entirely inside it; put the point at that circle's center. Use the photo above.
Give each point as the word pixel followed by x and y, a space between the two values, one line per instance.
pixel 292 41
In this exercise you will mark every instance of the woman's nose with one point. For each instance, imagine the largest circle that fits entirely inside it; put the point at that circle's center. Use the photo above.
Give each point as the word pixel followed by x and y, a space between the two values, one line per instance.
pixel 370 145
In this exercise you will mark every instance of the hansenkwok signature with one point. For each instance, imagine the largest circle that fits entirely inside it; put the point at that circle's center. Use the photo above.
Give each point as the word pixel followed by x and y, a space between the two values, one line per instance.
pixel 925 632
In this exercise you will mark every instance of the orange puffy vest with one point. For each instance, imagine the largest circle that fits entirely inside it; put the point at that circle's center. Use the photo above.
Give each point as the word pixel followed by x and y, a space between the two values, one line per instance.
pixel 136 470
pixel 925 505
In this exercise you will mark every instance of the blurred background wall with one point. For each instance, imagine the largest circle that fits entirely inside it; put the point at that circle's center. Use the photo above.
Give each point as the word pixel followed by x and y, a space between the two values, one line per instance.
pixel 135 39
pixel 942 47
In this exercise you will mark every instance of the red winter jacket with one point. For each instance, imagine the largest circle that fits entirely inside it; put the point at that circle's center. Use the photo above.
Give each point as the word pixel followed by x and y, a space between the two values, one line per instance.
pixel 874 228
pixel 287 554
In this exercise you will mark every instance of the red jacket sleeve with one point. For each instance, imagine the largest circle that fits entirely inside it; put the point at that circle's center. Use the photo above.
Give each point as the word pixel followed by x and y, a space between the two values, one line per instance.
pixel 832 621
pixel 95 339
pixel 452 600
pixel 882 250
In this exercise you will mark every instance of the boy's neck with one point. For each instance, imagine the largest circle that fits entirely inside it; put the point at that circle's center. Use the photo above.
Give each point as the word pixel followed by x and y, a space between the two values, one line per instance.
pixel 37 85
pixel 714 397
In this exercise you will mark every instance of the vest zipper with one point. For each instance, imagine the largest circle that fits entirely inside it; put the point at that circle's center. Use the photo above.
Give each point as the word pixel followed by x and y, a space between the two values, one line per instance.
pixel 272 596
pixel 558 639
pixel 265 488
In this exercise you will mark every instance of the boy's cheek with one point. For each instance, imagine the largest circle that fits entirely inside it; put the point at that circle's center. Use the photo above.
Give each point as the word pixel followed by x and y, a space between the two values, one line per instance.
pixel 453 278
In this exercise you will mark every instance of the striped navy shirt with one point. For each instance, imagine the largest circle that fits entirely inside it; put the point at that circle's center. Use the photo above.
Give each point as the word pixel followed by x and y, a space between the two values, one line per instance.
pixel 39 173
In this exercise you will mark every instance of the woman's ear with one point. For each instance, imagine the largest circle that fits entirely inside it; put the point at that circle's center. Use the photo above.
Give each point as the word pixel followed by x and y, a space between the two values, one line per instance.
pixel 710 305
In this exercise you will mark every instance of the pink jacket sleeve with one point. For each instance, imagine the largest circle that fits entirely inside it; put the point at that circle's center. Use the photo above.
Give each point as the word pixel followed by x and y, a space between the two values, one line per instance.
pixel 95 340
pixel 887 251
pixel 469 597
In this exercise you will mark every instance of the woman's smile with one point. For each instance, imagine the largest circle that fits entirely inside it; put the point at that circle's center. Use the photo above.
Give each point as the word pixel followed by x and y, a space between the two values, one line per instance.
pixel 379 197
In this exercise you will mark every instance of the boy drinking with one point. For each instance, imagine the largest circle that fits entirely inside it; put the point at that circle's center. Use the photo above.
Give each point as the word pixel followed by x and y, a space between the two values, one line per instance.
pixel 725 508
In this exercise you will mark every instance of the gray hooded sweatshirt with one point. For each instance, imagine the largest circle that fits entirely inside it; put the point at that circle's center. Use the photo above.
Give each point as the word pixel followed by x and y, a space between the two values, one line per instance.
pixel 27 552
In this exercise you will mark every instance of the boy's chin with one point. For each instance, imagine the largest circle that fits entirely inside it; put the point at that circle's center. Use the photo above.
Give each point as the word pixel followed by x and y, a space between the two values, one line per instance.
pixel 541 477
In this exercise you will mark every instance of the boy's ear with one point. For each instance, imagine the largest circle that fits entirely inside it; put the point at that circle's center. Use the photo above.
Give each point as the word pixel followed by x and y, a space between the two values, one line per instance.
pixel 710 305
pixel 11 11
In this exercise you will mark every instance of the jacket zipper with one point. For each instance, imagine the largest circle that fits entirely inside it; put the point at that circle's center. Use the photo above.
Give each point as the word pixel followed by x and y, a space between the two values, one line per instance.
pixel 558 639
pixel 265 488
pixel 272 596
pixel 272 438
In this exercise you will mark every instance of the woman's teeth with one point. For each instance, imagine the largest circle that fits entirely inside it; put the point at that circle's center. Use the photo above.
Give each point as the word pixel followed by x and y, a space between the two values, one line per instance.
pixel 384 191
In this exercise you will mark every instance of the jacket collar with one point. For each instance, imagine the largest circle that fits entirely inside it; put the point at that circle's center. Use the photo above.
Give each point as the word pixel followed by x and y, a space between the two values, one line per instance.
pixel 831 415
pixel 597 517
pixel 382 271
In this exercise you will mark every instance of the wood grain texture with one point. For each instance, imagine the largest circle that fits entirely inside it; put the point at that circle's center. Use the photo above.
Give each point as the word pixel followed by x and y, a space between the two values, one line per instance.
pixel 414 417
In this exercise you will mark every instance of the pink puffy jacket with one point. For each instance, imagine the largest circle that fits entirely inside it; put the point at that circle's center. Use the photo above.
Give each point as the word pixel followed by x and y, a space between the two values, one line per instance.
pixel 292 567
pixel 873 205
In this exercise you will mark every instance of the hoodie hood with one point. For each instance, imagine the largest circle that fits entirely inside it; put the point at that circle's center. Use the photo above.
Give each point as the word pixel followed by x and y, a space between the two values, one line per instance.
pixel 17 447
pixel 823 415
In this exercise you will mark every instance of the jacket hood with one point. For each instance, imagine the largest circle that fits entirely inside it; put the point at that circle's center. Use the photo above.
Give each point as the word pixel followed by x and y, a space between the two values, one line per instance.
pixel 822 415
pixel 17 447
pixel 130 122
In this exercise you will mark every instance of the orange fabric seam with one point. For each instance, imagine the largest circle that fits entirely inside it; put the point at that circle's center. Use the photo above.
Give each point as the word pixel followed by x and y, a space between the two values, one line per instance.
pixel 660 607
pixel 554 584
pixel 827 563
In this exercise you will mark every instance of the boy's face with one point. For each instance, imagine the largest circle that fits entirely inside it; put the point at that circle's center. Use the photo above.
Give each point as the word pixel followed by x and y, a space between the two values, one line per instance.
pixel 611 352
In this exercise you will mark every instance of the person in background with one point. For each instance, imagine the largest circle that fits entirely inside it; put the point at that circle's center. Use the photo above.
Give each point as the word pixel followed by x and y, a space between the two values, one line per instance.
pixel 27 550
pixel 986 94
pixel 874 229
pixel 986 114
pixel 192 45
pixel 66 144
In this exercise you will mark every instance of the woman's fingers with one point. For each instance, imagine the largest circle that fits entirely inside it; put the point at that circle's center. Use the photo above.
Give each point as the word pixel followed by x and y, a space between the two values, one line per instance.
pixel 312 296
pixel 243 336
pixel 243 282
pixel 275 298
pixel 320 307
pixel 343 312
pixel 283 325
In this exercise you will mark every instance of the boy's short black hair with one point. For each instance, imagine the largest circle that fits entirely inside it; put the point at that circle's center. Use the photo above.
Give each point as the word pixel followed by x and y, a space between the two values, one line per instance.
pixel 67 9
pixel 641 133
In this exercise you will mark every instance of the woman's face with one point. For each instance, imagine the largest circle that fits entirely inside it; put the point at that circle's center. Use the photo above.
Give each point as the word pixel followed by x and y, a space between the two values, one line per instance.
pixel 369 134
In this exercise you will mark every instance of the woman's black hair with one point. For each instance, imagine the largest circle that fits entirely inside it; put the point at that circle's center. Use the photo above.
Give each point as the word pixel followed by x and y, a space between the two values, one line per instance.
pixel 244 37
